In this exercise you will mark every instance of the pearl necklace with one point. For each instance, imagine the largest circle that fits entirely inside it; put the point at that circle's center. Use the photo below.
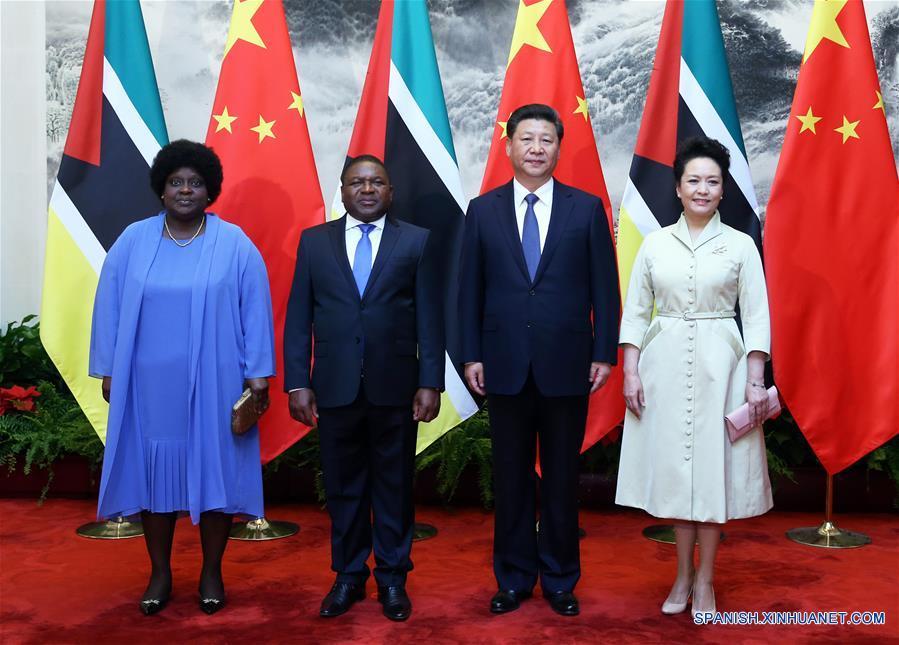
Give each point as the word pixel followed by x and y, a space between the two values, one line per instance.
pixel 165 222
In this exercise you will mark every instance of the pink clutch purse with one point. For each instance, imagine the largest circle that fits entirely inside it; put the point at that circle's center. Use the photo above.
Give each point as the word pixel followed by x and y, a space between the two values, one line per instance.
pixel 737 422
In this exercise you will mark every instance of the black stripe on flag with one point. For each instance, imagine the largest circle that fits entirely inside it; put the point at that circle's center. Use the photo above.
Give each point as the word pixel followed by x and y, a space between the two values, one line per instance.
pixel 735 209
pixel 420 197
pixel 117 192
pixel 655 183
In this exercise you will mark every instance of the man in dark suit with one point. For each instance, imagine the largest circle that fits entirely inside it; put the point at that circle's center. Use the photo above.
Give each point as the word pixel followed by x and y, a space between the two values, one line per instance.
pixel 540 306
pixel 364 291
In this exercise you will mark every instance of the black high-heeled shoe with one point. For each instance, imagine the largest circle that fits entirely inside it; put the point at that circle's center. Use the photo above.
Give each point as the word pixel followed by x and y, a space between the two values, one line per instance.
pixel 150 606
pixel 211 605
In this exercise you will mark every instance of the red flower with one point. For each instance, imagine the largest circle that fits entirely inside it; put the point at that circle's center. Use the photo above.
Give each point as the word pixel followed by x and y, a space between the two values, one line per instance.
pixel 17 398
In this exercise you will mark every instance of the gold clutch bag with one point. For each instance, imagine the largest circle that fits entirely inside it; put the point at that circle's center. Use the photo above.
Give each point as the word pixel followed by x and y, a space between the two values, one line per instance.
pixel 243 413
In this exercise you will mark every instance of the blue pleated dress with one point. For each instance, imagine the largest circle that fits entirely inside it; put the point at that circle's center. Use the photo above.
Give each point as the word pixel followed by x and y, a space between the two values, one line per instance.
pixel 159 381
pixel 179 329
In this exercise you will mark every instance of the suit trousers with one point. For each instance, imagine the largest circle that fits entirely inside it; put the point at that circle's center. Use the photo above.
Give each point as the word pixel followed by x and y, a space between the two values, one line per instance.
pixel 368 461
pixel 518 424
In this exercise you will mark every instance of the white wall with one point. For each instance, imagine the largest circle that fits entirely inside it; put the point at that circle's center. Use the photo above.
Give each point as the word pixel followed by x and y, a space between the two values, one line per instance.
pixel 23 157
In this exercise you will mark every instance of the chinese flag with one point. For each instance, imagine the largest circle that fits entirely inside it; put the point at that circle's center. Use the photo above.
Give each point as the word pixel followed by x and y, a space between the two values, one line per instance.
pixel 832 247
pixel 543 68
pixel 271 189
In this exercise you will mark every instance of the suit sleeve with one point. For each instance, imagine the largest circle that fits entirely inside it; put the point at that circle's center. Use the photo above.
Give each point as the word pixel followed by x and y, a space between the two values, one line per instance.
pixel 471 288
pixel 604 288
pixel 256 316
pixel 429 318
pixel 298 323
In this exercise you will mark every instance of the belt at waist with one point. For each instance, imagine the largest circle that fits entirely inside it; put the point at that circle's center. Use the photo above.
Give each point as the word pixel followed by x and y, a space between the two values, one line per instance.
pixel 697 315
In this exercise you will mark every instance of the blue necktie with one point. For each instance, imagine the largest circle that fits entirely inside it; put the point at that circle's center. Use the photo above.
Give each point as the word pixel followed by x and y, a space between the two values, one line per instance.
pixel 362 259
pixel 530 236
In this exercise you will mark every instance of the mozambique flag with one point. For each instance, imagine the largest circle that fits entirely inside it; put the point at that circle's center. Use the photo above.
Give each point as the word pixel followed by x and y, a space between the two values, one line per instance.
pixel 690 94
pixel 271 190
pixel 102 186
pixel 402 119
pixel 542 68
pixel 832 247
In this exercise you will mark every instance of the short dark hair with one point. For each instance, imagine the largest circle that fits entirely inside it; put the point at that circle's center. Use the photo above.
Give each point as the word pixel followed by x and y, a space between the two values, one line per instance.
pixel 537 111
pixel 187 154
pixel 352 161
pixel 696 147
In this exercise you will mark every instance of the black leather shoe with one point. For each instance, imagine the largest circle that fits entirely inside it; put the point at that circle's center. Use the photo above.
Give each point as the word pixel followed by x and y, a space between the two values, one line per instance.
pixel 395 600
pixel 563 602
pixel 506 600
pixel 150 606
pixel 211 605
pixel 341 598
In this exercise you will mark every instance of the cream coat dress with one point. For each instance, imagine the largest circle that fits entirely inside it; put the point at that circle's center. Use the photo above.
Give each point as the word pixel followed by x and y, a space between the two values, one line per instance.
pixel 676 461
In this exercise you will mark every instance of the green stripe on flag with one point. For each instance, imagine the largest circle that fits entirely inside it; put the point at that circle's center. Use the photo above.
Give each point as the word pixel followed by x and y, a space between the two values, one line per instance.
pixel 702 48
pixel 128 52
pixel 412 52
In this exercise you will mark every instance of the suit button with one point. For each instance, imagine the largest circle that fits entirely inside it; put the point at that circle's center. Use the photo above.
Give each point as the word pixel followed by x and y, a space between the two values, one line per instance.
pixel 529 325
pixel 532 292
pixel 361 306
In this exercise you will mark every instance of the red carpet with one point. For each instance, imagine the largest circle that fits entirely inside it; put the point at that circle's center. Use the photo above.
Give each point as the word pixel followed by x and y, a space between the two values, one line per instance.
pixel 56 587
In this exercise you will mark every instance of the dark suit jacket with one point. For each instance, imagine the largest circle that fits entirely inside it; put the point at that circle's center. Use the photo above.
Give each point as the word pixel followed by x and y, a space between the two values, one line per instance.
pixel 394 332
pixel 512 325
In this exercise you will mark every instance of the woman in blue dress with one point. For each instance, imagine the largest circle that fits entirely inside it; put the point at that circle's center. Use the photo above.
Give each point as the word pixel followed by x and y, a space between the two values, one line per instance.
pixel 182 323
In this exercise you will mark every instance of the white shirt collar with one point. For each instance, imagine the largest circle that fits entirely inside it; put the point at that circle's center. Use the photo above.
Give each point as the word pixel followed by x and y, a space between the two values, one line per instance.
pixel 352 222
pixel 544 193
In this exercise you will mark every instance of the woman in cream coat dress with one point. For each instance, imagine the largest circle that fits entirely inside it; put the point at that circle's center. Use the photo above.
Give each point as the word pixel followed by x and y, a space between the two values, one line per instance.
pixel 688 367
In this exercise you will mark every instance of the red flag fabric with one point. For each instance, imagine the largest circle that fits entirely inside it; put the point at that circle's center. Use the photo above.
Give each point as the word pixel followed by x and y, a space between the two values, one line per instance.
pixel 271 190
pixel 543 68
pixel 832 247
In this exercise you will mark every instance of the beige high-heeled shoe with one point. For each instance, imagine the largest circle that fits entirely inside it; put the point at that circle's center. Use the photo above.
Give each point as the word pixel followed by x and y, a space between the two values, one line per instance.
pixel 671 608
pixel 694 611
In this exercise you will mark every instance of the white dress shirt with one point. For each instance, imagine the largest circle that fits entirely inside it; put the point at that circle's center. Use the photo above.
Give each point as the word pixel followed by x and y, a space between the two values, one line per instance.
pixel 542 207
pixel 354 235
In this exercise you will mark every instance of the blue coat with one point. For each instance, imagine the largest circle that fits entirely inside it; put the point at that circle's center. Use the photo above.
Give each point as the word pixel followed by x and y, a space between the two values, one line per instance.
pixel 512 325
pixel 230 338
pixel 394 330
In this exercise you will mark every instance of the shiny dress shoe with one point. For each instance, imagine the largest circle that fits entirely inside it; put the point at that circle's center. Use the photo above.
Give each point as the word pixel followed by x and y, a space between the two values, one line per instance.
pixel 671 608
pixel 563 602
pixel 211 605
pixel 340 599
pixel 150 606
pixel 506 600
pixel 395 601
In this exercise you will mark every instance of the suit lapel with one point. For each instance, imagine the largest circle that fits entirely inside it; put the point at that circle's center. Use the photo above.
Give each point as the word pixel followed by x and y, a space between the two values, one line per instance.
pixel 505 208
pixel 337 233
pixel 558 220
pixel 389 237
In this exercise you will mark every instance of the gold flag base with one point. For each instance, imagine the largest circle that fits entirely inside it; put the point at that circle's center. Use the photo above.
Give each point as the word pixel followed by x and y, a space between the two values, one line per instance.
pixel 828 536
pixel 263 529
pixel 117 529
pixel 423 531
pixel 663 533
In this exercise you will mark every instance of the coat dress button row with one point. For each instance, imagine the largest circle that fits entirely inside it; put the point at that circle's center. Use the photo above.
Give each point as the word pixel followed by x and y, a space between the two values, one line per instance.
pixel 688 445
pixel 686 457
pixel 689 372
pixel 688 432
pixel 691 324
pixel 690 384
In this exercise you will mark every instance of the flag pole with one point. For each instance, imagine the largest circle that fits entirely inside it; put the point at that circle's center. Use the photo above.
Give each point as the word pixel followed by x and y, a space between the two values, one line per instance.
pixel 262 529
pixel 828 536
pixel 117 529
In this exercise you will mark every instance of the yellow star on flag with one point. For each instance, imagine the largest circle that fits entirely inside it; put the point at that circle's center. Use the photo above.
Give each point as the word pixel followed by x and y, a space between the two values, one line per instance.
pixel 526 30
pixel 581 107
pixel 224 120
pixel 879 104
pixel 848 129
pixel 808 121
pixel 297 103
pixel 242 24
pixel 502 124
pixel 264 129
pixel 824 25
